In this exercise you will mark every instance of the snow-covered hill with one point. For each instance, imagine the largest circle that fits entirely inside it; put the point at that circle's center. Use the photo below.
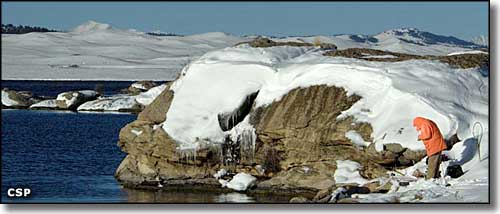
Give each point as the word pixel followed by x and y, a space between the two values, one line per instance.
pixel 97 51
pixel 403 40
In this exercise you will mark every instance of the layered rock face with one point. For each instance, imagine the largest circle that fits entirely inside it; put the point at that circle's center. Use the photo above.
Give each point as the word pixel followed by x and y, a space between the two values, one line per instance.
pixel 297 142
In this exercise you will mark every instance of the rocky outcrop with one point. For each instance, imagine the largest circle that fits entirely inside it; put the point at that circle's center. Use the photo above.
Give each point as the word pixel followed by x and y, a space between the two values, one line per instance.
pixel 138 87
pixel 17 99
pixel 115 103
pixel 261 42
pixel 458 61
pixel 72 99
pixel 298 140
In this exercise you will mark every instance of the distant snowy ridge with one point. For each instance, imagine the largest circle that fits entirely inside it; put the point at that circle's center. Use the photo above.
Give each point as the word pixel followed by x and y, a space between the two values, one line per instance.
pixel 98 51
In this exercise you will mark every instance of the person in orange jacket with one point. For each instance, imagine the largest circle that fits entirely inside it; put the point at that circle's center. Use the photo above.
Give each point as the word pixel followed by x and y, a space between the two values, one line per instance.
pixel 434 144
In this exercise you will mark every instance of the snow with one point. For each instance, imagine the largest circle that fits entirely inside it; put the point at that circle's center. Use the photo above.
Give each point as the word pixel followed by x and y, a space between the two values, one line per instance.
pixel 220 173
pixel 45 104
pixel 467 52
pixel 348 172
pixel 146 98
pixel 113 103
pixel 379 56
pixel 6 101
pixel 355 138
pixel 97 51
pixel 240 182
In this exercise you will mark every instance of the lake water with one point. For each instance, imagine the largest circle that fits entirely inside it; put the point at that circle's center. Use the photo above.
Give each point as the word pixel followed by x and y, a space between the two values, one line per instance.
pixel 66 157
pixel 52 88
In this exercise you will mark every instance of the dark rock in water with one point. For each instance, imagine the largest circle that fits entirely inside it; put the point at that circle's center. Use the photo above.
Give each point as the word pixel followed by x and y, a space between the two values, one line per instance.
pixel 228 120
pixel 454 171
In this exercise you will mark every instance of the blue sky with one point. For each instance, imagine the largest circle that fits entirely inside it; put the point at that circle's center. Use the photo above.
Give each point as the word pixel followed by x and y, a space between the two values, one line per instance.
pixel 460 19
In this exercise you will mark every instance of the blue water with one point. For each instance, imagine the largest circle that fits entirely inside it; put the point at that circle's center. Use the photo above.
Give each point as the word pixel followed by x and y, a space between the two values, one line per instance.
pixel 62 156
pixel 52 88
pixel 70 157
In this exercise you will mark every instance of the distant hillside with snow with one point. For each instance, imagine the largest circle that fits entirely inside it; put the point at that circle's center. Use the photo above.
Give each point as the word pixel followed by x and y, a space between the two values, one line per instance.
pixel 98 51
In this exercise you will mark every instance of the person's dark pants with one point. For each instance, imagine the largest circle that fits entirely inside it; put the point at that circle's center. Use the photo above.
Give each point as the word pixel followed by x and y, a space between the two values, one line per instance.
pixel 434 161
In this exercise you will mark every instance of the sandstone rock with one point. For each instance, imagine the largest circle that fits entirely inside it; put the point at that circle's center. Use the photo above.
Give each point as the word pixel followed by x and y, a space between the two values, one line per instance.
pixel 320 178
pixel 414 156
pixel 157 110
pixel 262 42
pixel 323 196
pixel 376 187
pixel 394 148
pixel 298 142
pixel 417 173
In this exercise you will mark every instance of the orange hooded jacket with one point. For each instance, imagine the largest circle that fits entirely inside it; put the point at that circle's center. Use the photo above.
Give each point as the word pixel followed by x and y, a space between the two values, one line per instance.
pixel 430 135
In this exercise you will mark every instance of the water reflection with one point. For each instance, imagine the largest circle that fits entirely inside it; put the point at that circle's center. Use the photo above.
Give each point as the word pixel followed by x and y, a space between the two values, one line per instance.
pixel 161 196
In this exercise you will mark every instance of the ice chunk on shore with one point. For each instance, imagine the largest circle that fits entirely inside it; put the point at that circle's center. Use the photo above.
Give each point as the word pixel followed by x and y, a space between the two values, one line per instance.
pixel 240 182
